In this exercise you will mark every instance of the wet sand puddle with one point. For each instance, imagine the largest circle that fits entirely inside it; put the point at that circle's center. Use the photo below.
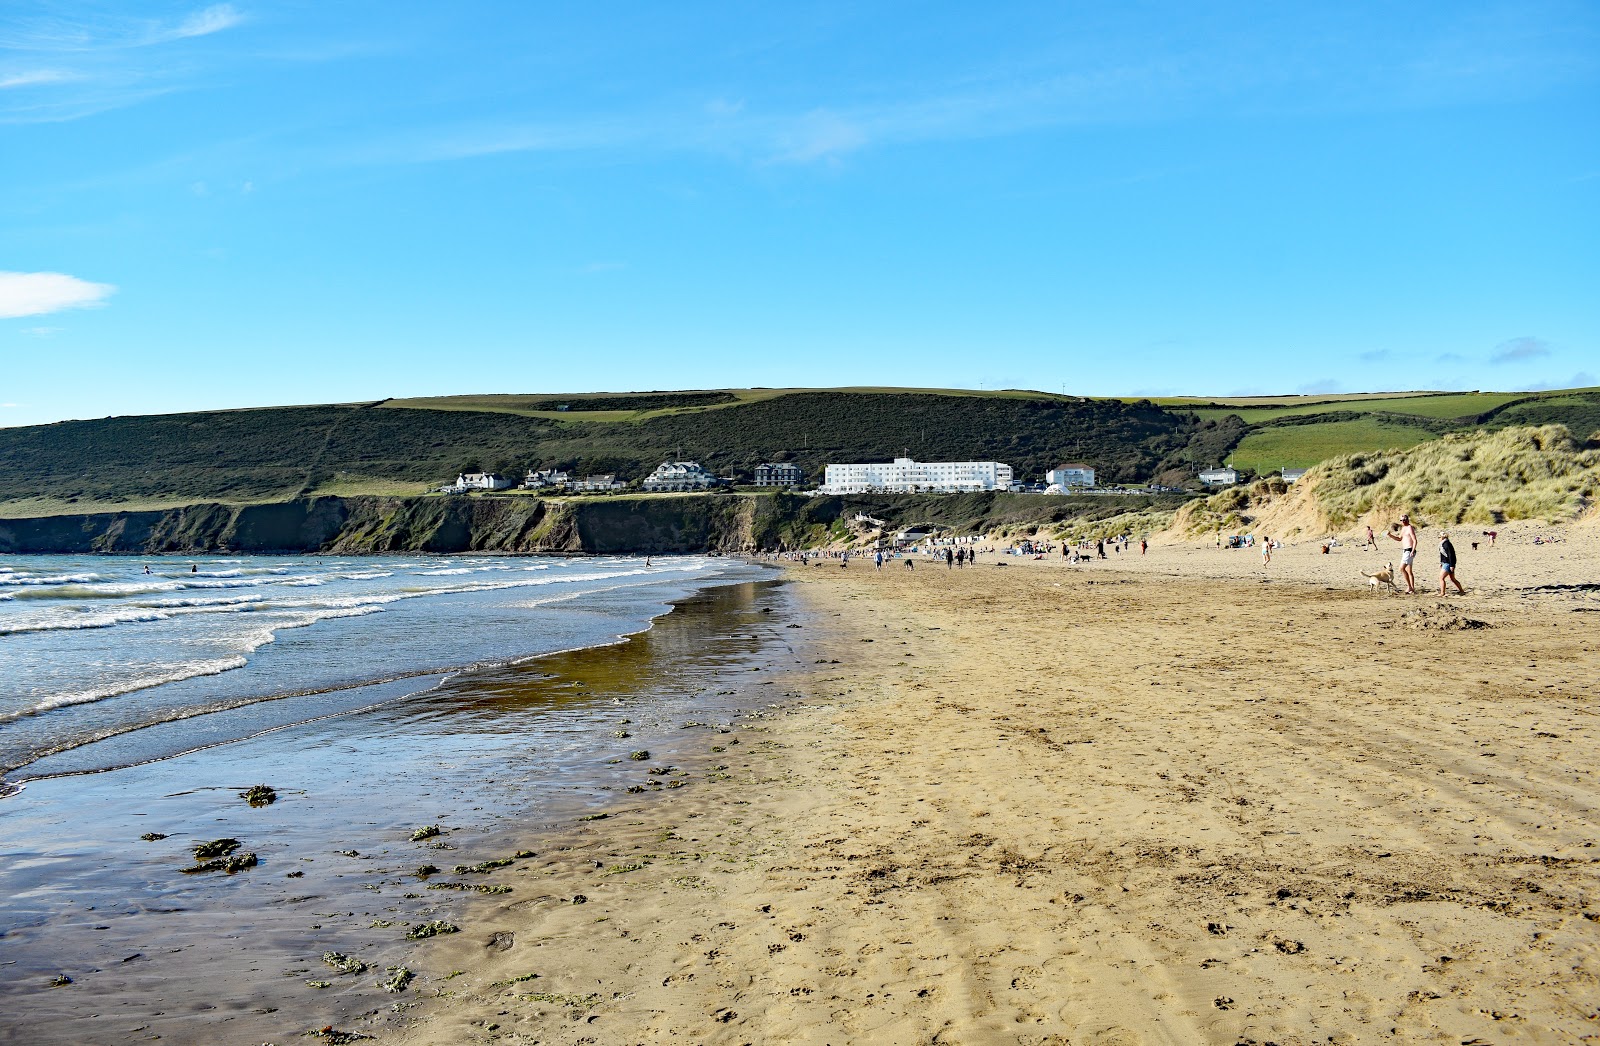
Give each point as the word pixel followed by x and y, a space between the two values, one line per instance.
pixel 105 938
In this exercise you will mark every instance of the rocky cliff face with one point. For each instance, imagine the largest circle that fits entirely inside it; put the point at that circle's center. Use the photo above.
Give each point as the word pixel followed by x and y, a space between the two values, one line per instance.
pixel 380 524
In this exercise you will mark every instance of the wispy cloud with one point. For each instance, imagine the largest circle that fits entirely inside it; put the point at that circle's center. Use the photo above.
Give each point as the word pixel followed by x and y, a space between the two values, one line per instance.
pixel 1375 356
pixel 55 69
pixel 1519 350
pixel 39 293
pixel 213 19
pixel 36 78
pixel 42 332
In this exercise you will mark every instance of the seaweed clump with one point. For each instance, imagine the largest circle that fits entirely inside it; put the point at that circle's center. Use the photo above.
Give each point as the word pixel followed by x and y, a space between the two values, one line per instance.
pixel 152 837
pixel 427 831
pixel 328 1033
pixel 344 963
pixel 219 855
pixel 397 980
pixel 259 795
pixel 483 867
pixel 436 928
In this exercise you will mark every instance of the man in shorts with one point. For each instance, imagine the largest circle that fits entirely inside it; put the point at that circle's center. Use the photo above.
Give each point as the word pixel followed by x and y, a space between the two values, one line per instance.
pixel 1407 536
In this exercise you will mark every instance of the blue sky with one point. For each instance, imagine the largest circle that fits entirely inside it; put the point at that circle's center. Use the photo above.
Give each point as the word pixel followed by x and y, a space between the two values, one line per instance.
pixel 268 202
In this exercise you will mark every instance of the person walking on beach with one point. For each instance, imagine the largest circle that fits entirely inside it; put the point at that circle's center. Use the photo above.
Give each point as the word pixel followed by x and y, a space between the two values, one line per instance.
pixel 1100 548
pixel 949 559
pixel 1372 539
pixel 1143 545
pixel 1266 550
pixel 877 559
pixel 1407 537
pixel 1447 565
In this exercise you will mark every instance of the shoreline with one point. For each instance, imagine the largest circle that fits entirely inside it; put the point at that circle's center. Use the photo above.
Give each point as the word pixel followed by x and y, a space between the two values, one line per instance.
pixel 1051 805
pixel 566 697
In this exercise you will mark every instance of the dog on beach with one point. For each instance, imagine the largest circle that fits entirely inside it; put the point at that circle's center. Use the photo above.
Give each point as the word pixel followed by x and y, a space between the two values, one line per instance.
pixel 1381 578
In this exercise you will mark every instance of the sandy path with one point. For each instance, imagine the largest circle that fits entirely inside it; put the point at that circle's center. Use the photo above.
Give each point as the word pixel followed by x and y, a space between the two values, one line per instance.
pixel 1042 805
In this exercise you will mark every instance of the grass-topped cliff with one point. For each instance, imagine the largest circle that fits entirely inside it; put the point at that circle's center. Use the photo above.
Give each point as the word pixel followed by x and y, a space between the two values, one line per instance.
pixel 400 447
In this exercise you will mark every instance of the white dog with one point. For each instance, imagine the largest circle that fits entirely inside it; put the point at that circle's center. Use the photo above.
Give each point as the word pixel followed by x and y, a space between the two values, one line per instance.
pixel 1381 578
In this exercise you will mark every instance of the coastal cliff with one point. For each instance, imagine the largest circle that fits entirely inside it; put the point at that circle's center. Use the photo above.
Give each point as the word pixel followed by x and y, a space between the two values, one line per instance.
pixel 353 525
pixel 602 525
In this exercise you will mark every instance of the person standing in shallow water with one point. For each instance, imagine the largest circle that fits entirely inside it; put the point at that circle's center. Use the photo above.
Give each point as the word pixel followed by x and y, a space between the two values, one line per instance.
pixel 1447 565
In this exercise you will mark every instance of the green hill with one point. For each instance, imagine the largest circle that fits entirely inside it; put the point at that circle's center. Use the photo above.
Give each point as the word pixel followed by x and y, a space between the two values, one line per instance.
pixel 268 454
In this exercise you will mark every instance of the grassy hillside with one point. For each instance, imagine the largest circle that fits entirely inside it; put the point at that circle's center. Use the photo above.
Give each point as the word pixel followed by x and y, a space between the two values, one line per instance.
pixel 249 456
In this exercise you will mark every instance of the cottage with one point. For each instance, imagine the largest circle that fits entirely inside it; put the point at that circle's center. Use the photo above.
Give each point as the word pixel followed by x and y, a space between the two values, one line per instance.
pixel 545 479
pixel 599 484
pixel 1221 477
pixel 1290 475
pixel 477 481
pixel 779 474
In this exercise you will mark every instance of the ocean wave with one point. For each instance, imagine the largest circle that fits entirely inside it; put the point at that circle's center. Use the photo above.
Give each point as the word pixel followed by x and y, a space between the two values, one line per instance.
pixel 168 674
pixel 48 579
pixel 445 572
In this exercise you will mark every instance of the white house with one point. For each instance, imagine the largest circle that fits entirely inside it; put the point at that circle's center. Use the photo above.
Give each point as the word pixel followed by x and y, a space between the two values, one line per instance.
pixel 1068 476
pixel 476 481
pixel 1222 477
pixel 545 478
pixel 904 476
pixel 680 475
pixel 1290 475
pixel 592 484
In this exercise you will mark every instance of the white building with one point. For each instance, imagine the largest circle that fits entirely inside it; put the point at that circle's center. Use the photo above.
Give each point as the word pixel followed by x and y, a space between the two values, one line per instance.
pixel 904 476
pixel 1068 476
pixel 680 475
pixel 593 484
pixel 1219 477
pixel 545 478
pixel 476 481
pixel 1290 475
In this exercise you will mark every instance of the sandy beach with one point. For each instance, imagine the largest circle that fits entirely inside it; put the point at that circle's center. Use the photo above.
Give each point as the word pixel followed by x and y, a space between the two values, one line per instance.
pixel 1169 799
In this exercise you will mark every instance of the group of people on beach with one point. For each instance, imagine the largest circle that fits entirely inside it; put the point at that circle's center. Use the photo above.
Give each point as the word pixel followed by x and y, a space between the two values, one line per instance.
pixel 1405 532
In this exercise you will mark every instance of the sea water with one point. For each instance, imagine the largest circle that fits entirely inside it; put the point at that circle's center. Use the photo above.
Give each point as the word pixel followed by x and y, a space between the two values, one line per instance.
pixel 93 647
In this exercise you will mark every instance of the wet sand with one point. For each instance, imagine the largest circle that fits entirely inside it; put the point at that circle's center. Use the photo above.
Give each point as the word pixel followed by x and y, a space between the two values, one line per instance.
pixel 1110 804
pixel 494 757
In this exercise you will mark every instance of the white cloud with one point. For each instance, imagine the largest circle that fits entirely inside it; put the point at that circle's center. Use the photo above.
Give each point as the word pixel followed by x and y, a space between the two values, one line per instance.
pixel 35 78
pixel 1322 387
pixel 38 293
pixel 42 332
pixel 1519 349
pixel 213 19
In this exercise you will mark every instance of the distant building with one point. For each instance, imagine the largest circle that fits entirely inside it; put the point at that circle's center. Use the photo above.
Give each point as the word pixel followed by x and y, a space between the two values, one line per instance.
pixel 1219 477
pixel 599 484
pixel 779 474
pixel 1068 476
pixel 905 476
pixel 476 481
pixel 680 476
pixel 544 479
pixel 1290 475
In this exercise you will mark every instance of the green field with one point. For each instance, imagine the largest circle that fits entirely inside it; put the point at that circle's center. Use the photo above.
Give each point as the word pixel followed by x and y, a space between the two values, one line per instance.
pixel 1301 446
pixel 1458 405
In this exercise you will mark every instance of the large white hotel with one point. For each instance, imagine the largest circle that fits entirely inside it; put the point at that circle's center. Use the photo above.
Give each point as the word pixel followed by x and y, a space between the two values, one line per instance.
pixel 904 476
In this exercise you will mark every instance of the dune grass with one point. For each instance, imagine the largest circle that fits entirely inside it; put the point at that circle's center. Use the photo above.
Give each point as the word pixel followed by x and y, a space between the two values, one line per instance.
pixel 1514 473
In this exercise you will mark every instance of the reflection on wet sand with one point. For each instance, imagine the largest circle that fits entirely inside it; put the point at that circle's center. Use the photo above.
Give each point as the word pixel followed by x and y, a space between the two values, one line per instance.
pixel 490 757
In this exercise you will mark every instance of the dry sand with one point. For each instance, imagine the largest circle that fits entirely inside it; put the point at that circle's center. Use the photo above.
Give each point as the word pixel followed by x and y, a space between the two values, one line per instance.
pixel 1175 799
